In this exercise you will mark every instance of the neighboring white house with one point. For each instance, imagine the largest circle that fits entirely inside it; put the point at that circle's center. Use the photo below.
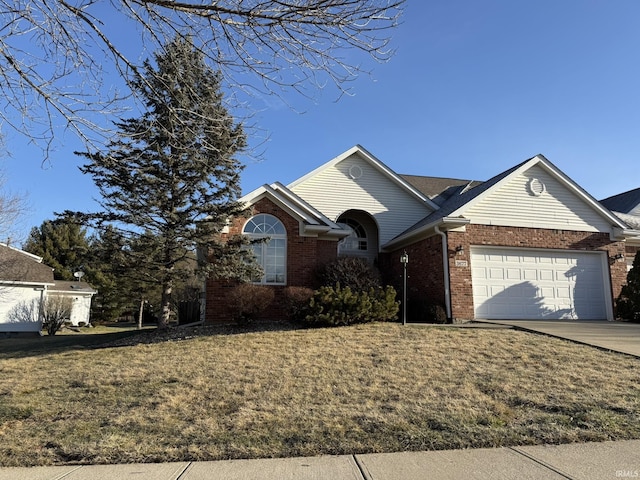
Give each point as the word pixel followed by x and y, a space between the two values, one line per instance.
pixel 25 281
pixel 80 294
pixel 23 278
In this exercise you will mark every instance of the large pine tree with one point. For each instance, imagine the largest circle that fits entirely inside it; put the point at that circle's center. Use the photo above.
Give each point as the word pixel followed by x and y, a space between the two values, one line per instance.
pixel 63 245
pixel 169 179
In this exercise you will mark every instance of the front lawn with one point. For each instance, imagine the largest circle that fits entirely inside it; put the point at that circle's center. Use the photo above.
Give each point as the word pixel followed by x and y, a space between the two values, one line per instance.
pixel 293 392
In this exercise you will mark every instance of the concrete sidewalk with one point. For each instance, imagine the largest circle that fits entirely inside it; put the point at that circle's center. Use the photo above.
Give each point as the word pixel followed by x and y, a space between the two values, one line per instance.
pixel 574 461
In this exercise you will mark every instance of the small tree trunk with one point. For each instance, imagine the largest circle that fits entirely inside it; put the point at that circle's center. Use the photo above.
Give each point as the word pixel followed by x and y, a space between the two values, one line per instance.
pixel 165 316
pixel 140 314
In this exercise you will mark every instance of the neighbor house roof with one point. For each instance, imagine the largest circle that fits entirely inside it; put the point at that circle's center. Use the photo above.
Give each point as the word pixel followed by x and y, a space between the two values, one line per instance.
pixel 72 286
pixel 18 266
pixel 440 189
pixel 627 202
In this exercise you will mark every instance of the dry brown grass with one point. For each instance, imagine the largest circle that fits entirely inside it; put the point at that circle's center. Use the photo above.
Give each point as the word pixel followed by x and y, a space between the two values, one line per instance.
pixel 367 388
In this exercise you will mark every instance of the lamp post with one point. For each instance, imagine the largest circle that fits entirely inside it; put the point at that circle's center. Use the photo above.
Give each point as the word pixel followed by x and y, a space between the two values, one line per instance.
pixel 404 259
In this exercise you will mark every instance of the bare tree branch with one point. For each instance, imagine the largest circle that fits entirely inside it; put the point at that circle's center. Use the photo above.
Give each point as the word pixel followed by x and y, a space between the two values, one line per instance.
pixel 57 57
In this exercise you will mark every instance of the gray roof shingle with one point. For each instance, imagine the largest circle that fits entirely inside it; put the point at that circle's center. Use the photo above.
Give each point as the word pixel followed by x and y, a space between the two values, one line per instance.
pixel 623 202
pixel 456 201
pixel 19 266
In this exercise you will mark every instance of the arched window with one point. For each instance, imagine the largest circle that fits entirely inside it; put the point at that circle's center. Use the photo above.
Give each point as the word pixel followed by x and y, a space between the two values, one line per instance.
pixel 356 242
pixel 271 255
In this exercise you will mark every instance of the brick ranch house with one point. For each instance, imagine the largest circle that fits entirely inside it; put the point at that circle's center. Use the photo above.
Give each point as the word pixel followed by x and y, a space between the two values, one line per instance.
pixel 527 244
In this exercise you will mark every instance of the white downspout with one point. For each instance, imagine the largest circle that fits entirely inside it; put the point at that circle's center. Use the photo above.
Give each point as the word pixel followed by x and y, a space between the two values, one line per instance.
pixel 445 265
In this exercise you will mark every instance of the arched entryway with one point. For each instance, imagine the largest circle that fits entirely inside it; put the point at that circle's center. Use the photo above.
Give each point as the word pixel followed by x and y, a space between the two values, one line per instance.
pixel 363 240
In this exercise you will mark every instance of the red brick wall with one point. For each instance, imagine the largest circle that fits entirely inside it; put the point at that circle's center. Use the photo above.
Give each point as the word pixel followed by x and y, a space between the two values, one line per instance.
pixel 461 289
pixel 304 256
pixel 425 277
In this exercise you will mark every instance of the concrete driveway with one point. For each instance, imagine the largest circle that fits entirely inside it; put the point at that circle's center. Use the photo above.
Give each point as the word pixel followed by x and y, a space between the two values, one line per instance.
pixel 617 336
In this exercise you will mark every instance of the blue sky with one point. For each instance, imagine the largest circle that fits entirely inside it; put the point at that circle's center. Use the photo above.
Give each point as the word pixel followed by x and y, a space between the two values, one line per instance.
pixel 475 87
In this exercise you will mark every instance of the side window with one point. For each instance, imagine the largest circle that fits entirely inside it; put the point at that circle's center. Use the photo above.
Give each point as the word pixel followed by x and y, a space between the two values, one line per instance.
pixel 271 255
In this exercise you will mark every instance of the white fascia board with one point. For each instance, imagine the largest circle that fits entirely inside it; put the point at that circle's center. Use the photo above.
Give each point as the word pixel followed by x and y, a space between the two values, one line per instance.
pixel 291 206
pixel 394 177
pixel 282 201
pixel 84 291
pixel 15 249
pixel 26 284
pixel 324 232
pixel 303 204
pixel 445 223
pixel 632 237
pixel 72 293
pixel 250 197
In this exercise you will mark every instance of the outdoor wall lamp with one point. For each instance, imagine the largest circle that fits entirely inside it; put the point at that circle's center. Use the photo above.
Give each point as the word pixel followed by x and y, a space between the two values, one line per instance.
pixel 404 259
pixel 459 249
pixel 618 256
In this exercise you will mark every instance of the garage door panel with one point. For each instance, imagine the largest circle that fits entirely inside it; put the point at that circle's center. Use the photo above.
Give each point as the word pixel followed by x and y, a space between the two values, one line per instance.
pixel 546 274
pixel 522 284
pixel 547 292
pixel 563 293
pixel 514 274
pixel 495 290
pixel 496 273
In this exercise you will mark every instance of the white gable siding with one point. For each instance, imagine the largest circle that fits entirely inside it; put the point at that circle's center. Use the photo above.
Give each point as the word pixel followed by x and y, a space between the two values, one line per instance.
pixel 513 205
pixel 333 191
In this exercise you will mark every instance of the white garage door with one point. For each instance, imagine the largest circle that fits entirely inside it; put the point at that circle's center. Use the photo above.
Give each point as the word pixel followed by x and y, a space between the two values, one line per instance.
pixel 514 283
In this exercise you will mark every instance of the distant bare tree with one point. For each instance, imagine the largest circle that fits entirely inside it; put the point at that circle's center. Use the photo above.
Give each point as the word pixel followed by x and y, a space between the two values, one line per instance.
pixel 12 207
pixel 54 55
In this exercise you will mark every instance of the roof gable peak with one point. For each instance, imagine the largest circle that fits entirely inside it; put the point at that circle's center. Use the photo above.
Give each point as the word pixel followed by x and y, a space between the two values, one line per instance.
pixel 365 155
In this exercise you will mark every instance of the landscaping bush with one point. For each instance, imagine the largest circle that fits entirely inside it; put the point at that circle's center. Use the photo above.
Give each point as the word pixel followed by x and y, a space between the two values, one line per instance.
pixel 436 314
pixel 297 302
pixel 55 312
pixel 337 306
pixel 247 301
pixel 419 310
pixel 355 273
pixel 628 303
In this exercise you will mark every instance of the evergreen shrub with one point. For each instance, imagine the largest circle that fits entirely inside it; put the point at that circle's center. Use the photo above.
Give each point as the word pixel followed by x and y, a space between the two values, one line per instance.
pixel 628 303
pixel 336 306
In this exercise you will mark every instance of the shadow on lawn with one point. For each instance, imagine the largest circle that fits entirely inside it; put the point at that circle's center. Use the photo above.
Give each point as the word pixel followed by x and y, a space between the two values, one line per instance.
pixel 19 347
pixel 179 333
pixel 30 346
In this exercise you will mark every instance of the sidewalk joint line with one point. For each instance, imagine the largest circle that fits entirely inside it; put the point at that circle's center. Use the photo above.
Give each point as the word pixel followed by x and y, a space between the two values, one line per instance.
pixel 184 470
pixel 362 468
pixel 540 462
pixel 66 474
